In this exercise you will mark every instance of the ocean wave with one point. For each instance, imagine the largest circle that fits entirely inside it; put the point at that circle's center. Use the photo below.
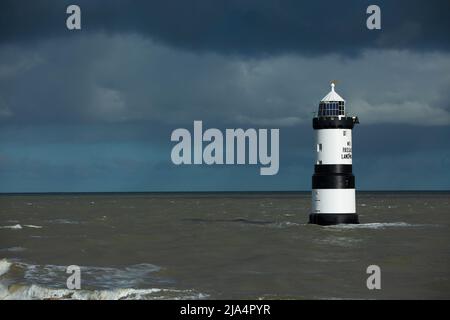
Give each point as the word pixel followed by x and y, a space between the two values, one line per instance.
pixel 138 275
pixel 238 220
pixel 32 226
pixel 245 222
pixel 13 249
pixel 19 226
pixel 285 224
pixel 15 227
pixel 339 241
pixel 35 292
pixel 42 291
pixel 63 221
pixel 5 265
pixel 375 225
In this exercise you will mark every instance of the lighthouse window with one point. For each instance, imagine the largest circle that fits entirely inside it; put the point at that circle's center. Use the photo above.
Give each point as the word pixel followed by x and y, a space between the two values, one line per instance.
pixel 341 108
pixel 319 147
pixel 331 108
pixel 344 133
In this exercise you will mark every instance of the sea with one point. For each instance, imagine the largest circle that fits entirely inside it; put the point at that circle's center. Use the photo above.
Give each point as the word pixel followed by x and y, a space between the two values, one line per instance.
pixel 222 246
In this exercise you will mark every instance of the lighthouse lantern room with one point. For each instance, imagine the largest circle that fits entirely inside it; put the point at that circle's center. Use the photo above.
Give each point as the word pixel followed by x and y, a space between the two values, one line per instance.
pixel 333 183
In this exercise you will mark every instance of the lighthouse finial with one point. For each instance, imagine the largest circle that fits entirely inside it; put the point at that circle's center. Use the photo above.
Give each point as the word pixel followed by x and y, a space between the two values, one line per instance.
pixel 332 96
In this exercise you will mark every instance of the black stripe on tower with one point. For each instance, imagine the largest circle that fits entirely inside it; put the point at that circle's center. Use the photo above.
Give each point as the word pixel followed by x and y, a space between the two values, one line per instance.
pixel 326 219
pixel 333 176
pixel 333 168
pixel 335 123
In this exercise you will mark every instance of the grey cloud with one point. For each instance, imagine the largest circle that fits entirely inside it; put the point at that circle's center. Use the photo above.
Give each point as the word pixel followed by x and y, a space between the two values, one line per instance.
pixel 93 110
pixel 126 78
pixel 250 28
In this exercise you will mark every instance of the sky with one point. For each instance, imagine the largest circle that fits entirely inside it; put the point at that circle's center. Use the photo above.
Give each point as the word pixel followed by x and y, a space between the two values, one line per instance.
pixel 93 110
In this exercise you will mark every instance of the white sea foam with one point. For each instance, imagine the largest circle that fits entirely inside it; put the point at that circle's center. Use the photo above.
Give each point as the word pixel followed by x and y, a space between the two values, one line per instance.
pixel 376 225
pixel 35 292
pixel 32 226
pixel 19 226
pixel 138 275
pixel 41 291
pixel 16 227
pixel 4 266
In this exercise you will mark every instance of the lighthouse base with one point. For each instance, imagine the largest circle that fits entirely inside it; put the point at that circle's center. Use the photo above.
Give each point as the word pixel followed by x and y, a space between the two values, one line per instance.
pixel 327 219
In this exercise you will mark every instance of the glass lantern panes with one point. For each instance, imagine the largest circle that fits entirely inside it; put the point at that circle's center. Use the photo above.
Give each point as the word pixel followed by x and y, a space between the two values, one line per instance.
pixel 331 109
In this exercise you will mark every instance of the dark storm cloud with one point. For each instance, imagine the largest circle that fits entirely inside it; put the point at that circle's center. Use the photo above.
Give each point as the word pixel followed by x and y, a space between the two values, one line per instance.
pixel 254 28
pixel 93 110
pixel 98 79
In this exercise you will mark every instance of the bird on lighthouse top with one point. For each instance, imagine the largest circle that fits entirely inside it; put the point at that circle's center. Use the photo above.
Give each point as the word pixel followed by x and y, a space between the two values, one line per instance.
pixel 332 95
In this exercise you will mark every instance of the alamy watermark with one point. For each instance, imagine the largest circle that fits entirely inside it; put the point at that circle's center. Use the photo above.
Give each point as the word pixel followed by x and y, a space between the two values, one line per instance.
pixel 210 148
pixel 74 280
pixel 373 22
pixel 73 21
pixel 374 280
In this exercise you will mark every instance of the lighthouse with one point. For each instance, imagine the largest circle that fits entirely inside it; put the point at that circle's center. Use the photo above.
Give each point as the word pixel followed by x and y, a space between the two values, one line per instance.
pixel 333 183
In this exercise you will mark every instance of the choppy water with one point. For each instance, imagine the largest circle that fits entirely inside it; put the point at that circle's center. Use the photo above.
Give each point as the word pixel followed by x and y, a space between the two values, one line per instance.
pixel 221 246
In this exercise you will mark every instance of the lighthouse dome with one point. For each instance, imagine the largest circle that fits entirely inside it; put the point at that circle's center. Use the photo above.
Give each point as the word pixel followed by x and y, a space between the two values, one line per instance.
pixel 332 95
pixel 332 104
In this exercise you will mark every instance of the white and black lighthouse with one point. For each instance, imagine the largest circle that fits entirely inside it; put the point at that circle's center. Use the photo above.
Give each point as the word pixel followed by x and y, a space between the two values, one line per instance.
pixel 333 183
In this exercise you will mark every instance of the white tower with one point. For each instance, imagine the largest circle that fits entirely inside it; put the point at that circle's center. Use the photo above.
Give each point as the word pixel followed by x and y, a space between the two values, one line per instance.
pixel 333 184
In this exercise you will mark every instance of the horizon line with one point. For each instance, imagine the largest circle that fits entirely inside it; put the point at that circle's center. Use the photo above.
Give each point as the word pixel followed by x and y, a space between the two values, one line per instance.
pixel 206 192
